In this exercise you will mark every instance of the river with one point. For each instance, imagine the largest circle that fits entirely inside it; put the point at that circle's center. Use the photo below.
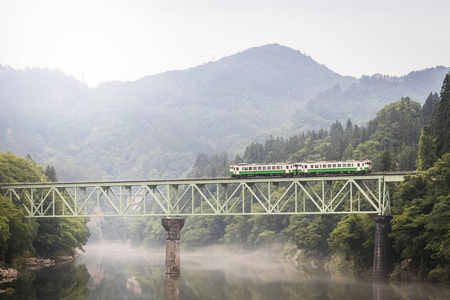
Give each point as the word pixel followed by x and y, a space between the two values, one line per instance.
pixel 119 272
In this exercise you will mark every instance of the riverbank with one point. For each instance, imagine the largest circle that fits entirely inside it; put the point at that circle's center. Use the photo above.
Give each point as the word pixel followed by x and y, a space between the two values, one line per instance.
pixel 32 264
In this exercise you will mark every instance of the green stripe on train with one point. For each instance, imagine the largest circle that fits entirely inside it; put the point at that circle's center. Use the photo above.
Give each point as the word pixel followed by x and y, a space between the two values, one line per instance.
pixel 334 170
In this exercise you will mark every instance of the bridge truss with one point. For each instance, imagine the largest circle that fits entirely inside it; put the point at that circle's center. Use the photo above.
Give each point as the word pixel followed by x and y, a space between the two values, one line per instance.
pixel 176 198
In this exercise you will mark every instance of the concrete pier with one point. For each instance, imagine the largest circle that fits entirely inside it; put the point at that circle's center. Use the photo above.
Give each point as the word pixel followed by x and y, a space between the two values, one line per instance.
pixel 172 286
pixel 173 228
pixel 382 252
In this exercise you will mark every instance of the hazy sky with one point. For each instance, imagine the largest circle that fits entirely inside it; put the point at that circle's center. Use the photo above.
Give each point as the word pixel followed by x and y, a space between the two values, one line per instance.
pixel 128 39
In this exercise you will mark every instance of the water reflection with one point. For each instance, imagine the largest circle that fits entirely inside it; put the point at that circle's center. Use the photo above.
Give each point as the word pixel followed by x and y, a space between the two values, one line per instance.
pixel 172 286
pixel 68 281
pixel 122 273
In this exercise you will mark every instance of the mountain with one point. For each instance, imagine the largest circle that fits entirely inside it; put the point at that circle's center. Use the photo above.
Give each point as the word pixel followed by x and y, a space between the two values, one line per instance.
pixel 155 126
pixel 368 95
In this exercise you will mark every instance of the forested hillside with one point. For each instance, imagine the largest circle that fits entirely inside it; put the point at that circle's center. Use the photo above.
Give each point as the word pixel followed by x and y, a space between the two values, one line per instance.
pixel 22 237
pixel 403 136
pixel 154 127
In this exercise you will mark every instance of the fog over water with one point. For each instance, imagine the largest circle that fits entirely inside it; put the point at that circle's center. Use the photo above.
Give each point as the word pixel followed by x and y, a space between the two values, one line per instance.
pixel 232 273
pixel 119 271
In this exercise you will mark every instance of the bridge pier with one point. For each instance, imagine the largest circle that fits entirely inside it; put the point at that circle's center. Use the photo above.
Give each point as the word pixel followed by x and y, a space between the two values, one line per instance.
pixel 173 228
pixel 382 252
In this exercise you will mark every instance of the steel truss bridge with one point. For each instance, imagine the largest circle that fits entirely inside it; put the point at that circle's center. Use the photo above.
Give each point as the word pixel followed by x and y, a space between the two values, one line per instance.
pixel 222 196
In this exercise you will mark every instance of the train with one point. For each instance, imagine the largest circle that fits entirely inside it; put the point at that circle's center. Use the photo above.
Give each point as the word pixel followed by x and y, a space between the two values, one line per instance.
pixel 308 168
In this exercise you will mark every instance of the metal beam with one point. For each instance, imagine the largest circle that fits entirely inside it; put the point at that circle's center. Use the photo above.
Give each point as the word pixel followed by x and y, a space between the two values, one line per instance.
pixel 222 196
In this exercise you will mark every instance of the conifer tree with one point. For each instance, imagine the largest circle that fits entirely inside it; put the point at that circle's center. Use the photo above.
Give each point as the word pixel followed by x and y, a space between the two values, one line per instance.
pixel 427 150
pixel 428 107
pixel 440 121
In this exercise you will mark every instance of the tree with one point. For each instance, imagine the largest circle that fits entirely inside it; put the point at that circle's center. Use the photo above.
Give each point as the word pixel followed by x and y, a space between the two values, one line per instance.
pixel 237 230
pixel 440 121
pixel 421 225
pixel 311 233
pixel 385 161
pixel 406 158
pixel 428 107
pixel 16 231
pixel 202 231
pixel 51 174
pixel 17 169
pixel 353 238
pixel 60 236
pixel 427 150
pixel 397 123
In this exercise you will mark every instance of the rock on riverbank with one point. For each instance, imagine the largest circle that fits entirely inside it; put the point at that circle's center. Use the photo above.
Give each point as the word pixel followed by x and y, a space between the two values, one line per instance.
pixel 8 274
pixel 33 263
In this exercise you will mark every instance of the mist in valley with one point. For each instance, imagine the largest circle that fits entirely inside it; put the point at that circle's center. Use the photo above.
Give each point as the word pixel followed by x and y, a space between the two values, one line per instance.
pixel 223 272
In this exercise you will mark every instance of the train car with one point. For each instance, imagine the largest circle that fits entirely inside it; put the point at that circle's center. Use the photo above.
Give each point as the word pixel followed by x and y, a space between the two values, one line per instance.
pixel 336 167
pixel 309 168
pixel 253 170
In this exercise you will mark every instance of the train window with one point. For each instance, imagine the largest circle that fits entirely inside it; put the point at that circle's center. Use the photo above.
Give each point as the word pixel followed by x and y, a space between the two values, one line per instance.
pixel 259 168
pixel 334 165
pixel 264 168
pixel 312 167
pixel 278 167
pixel 329 165
pixel 359 164
pixel 339 165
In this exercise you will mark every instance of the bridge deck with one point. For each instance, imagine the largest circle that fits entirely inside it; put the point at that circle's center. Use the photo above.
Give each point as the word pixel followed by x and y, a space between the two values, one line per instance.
pixel 221 196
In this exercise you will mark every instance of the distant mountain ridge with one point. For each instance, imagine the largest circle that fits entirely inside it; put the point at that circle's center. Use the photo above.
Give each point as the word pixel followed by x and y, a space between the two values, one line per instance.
pixel 368 95
pixel 155 126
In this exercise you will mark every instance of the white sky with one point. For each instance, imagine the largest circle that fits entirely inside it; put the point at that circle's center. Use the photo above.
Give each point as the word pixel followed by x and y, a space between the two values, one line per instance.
pixel 128 39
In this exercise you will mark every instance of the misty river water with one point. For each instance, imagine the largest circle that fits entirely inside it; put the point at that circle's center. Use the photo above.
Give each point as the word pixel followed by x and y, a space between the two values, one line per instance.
pixel 119 272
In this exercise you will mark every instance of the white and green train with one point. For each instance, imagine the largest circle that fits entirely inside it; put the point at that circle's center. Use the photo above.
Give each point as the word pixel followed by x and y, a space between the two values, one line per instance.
pixel 309 168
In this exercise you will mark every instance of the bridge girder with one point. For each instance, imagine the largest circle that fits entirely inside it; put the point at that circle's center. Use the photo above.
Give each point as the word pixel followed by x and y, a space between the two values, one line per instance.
pixel 176 198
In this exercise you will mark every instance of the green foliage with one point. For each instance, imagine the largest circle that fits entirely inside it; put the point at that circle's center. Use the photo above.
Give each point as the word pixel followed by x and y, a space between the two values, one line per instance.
pixel 17 169
pixel 154 234
pixel 237 230
pixel 427 150
pixel 210 166
pixel 17 231
pixel 202 231
pixel 60 236
pixel 265 228
pixel 353 239
pixel 51 174
pixel 385 161
pixel 421 230
pixel 428 107
pixel 136 229
pixel 25 236
pixel 440 121
pixel 311 233
pixel 397 123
